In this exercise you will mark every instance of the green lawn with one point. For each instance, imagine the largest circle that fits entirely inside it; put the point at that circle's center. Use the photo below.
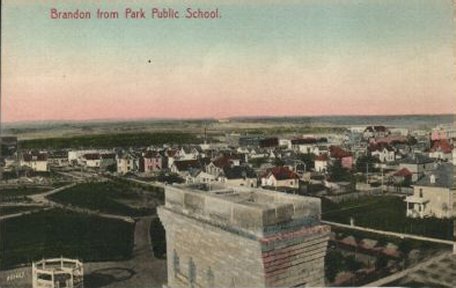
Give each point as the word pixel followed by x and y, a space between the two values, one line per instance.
pixel 6 210
pixel 120 198
pixel 385 213
pixel 20 193
pixel 59 232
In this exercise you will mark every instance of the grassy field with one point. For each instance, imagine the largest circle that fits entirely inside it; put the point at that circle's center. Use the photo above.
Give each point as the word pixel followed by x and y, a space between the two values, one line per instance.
pixel 7 210
pixel 118 198
pixel 14 194
pixel 385 213
pixel 58 232
pixel 111 140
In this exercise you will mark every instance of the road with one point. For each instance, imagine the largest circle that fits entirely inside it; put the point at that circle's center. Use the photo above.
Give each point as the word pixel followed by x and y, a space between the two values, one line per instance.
pixel 389 233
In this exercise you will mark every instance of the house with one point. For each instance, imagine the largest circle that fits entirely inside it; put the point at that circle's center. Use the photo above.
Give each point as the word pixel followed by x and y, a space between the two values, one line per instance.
pixel 152 161
pixel 216 166
pixel 402 176
pixel 375 132
pixel 339 154
pixel 441 149
pixel 185 167
pixel 98 160
pixel 307 145
pixel 384 152
pixel 58 158
pixel 434 195
pixel 171 156
pixel 239 176
pixel 269 142
pixel 126 163
pixel 418 165
pixel 37 161
pixel 280 177
pixel 199 176
pixel 321 163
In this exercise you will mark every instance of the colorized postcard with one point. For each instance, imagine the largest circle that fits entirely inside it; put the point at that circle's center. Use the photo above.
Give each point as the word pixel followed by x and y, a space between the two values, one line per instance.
pixel 196 143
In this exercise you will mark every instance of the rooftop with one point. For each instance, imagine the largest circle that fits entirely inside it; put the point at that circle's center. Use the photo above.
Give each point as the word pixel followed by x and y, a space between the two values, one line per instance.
pixel 250 210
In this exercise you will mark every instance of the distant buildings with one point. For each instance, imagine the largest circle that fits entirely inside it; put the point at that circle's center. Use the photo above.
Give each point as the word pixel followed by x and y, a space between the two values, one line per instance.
pixel 242 237
pixel 37 161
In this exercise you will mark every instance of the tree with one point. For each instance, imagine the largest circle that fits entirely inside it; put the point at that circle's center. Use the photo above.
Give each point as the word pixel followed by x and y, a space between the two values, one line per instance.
pixel 382 261
pixel 366 162
pixel 308 159
pixel 338 173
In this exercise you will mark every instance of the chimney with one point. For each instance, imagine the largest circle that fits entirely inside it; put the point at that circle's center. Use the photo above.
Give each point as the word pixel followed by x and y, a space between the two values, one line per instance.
pixel 432 179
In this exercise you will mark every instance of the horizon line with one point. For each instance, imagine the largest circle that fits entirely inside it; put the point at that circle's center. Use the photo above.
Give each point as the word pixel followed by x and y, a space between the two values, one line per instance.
pixel 133 119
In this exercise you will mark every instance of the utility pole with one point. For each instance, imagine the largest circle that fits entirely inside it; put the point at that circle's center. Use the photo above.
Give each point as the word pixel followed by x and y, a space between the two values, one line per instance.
pixel 367 172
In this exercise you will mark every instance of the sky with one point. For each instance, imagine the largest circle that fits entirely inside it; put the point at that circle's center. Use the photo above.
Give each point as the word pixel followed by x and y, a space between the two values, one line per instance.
pixel 261 58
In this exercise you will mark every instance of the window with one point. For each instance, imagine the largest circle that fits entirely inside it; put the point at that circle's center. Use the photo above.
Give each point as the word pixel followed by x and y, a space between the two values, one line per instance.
pixel 176 264
pixel 210 278
pixel 191 272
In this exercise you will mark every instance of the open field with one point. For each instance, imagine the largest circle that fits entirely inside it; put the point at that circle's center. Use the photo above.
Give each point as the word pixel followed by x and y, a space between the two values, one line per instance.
pixel 117 198
pixel 19 193
pixel 385 213
pixel 295 124
pixel 58 232
pixel 110 140
pixel 7 210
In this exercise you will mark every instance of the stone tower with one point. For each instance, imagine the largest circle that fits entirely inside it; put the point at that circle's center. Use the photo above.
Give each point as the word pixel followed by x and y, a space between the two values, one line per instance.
pixel 242 237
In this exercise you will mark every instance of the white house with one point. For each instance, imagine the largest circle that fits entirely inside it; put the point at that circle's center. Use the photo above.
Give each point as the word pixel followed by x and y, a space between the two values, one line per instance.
pixel 126 163
pixel 37 161
pixel 280 177
pixel 321 163
pixel 434 195
pixel 383 153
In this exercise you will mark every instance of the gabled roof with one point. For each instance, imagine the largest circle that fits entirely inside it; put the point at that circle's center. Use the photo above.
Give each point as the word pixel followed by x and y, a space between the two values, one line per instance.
pixel 308 140
pixel 322 157
pixel 443 176
pixel 239 172
pixel 151 154
pixel 417 159
pixel 222 162
pixel 338 153
pixel 380 147
pixel 34 156
pixel 442 145
pixel 281 173
pixel 91 156
pixel 185 165
pixel 404 172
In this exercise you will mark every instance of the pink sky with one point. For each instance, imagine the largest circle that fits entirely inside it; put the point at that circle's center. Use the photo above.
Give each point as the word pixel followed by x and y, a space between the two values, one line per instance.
pixel 89 75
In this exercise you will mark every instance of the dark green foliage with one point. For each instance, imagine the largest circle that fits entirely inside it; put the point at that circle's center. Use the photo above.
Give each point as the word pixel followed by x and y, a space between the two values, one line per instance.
pixel 257 162
pixel 336 262
pixel 308 159
pixel 104 197
pixel 385 213
pixel 7 210
pixel 366 163
pixel 158 238
pixel 20 193
pixel 338 173
pixel 58 233
pixel 111 140
pixel 170 178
